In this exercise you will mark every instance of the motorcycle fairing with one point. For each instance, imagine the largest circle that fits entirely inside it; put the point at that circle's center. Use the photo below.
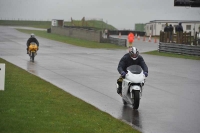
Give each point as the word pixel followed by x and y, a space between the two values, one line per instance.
pixel 33 47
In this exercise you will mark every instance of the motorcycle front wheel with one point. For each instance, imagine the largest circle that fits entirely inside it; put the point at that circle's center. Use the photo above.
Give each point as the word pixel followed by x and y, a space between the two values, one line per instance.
pixel 124 102
pixel 136 99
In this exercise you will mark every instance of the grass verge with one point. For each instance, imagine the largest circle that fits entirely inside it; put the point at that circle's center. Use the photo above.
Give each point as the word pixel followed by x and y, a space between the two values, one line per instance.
pixel 35 24
pixel 73 41
pixel 30 104
pixel 96 24
pixel 172 55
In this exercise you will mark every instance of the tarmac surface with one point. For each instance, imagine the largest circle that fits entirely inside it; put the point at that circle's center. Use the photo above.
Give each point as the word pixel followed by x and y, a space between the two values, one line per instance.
pixel 170 101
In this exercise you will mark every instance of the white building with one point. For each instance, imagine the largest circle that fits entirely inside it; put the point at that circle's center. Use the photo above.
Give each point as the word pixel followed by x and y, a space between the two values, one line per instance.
pixel 154 27
pixel 57 22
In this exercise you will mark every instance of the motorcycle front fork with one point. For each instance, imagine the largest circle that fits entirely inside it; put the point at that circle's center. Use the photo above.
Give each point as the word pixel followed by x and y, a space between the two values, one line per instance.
pixel 131 93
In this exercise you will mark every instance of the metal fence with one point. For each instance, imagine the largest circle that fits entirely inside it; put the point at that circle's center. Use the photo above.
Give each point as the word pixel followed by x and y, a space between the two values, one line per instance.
pixel 178 38
pixel 126 32
pixel 179 48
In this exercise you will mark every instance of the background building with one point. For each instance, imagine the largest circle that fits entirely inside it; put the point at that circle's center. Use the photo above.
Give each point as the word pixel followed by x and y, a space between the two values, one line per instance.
pixel 139 27
pixel 154 27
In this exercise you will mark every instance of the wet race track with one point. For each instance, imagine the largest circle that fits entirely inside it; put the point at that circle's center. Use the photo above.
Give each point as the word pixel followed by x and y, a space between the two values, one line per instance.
pixel 170 101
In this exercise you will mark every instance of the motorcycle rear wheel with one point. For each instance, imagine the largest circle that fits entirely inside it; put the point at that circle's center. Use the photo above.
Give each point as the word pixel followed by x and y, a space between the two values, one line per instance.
pixel 32 56
pixel 136 99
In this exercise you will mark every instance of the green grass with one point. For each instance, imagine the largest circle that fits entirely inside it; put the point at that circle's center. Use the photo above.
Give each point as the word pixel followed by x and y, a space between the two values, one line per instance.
pixel 73 41
pixel 35 24
pixel 29 104
pixel 99 25
pixel 173 55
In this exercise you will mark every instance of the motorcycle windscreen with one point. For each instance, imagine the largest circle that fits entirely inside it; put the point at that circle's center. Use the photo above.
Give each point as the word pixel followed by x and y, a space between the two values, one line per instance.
pixel 136 69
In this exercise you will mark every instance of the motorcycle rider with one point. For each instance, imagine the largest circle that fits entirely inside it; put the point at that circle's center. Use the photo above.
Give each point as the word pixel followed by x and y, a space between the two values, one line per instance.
pixel 32 39
pixel 131 58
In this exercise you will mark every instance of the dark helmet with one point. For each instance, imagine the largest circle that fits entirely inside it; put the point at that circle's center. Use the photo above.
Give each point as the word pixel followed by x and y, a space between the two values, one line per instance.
pixel 134 53
pixel 179 23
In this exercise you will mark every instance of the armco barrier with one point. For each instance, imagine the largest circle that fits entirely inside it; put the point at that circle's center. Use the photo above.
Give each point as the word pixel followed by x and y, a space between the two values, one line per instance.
pixel 179 48
pixel 126 32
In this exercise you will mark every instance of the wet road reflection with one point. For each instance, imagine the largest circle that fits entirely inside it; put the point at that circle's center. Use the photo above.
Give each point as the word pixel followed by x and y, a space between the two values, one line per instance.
pixel 131 116
pixel 32 67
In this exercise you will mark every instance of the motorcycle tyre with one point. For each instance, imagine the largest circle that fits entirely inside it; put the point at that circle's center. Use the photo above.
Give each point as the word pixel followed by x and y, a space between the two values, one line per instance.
pixel 124 102
pixel 136 99
pixel 32 56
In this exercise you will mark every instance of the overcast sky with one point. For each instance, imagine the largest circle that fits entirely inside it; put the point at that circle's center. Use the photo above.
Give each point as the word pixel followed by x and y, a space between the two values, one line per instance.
pixel 119 13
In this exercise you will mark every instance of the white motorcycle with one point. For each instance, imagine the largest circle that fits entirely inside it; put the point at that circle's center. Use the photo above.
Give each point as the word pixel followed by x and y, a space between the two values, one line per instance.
pixel 132 86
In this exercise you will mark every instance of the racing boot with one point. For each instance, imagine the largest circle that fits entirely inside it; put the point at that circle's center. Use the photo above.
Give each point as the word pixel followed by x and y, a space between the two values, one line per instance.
pixel 119 86
pixel 119 90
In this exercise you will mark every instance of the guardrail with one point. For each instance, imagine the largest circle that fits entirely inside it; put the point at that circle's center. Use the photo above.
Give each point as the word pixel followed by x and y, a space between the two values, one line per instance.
pixel 179 48
pixel 126 32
